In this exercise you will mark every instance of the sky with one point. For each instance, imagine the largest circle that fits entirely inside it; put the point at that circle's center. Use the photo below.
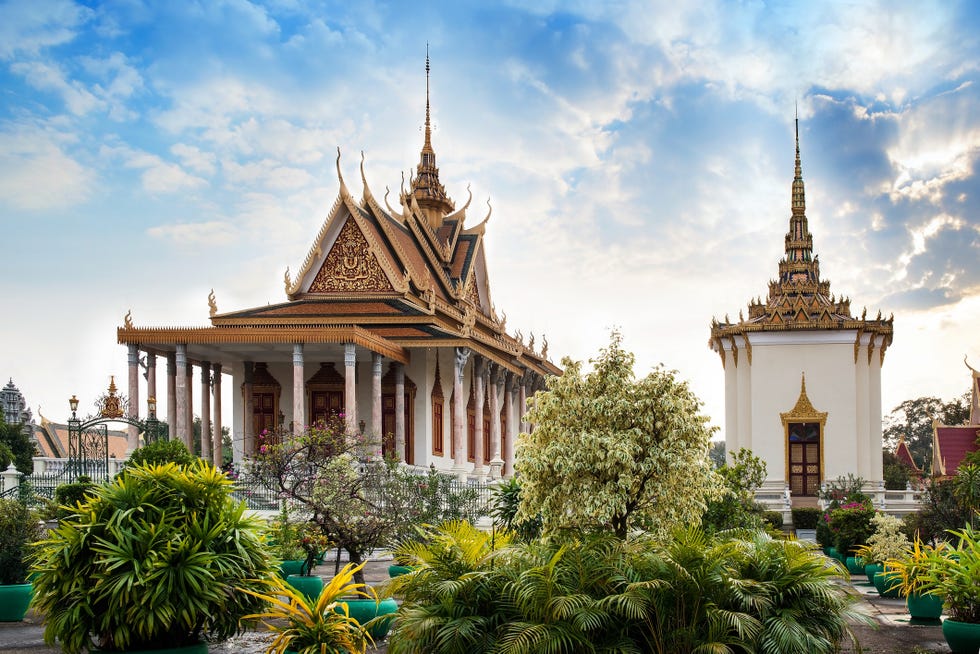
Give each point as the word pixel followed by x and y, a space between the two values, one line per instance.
pixel 638 158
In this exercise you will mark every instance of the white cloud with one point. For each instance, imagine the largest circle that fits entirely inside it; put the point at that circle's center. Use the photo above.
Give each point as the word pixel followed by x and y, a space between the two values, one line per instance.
pixel 30 27
pixel 212 233
pixel 36 172
pixel 46 77
pixel 158 176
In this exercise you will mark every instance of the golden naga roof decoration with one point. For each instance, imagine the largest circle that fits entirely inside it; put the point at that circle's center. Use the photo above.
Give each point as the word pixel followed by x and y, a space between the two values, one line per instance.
pixel 798 298
pixel 213 305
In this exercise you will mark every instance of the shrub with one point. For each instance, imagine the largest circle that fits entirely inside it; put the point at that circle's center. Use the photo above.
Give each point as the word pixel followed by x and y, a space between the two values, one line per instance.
pixel 887 541
pixel 851 526
pixel 19 528
pixel 774 519
pixel 68 496
pixel 149 561
pixel 806 517
pixel 161 451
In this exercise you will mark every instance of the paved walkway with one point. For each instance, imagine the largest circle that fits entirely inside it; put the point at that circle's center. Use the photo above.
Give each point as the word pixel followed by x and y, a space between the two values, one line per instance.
pixel 892 634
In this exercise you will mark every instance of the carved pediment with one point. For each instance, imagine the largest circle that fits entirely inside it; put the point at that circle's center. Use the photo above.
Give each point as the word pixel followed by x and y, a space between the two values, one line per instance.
pixel 350 266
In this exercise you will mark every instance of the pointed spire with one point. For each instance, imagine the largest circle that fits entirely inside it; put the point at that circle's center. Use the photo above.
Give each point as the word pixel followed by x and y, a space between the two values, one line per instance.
pixel 428 191
pixel 799 264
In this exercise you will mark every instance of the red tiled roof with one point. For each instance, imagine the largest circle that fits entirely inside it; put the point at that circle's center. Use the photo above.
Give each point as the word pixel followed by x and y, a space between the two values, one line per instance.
pixel 951 445
pixel 903 454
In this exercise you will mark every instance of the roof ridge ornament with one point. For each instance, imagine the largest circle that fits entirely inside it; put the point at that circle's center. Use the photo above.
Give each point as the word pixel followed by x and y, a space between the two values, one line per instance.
pixel 213 305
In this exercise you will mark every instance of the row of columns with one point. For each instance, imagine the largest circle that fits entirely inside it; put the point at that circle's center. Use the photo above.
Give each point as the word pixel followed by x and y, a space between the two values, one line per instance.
pixel 180 405
pixel 491 380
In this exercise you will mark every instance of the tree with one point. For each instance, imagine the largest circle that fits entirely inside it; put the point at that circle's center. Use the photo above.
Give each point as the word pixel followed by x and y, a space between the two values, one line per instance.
pixel 717 453
pixel 913 420
pixel 736 506
pixel 610 453
pixel 16 446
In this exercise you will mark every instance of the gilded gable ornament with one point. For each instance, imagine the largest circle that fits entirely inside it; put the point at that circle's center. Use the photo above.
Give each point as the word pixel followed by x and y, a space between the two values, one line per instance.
pixel 212 304
pixel 350 266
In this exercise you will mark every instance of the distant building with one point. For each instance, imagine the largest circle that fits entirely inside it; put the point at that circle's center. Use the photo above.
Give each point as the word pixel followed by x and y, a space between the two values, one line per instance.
pixel 803 376
pixel 15 409
pixel 951 443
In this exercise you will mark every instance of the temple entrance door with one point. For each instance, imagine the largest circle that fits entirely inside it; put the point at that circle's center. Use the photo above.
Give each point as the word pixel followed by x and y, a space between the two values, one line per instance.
pixel 265 412
pixel 388 427
pixel 804 458
pixel 324 404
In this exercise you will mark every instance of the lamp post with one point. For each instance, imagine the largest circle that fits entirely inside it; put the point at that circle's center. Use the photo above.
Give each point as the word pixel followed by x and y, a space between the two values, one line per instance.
pixel 74 440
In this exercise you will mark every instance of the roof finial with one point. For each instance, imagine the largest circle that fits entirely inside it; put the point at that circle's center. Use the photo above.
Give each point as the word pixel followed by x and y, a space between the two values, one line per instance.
pixel 428 129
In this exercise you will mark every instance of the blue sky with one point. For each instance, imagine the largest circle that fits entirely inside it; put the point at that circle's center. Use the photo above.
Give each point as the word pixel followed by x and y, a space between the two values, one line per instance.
pixel 638 157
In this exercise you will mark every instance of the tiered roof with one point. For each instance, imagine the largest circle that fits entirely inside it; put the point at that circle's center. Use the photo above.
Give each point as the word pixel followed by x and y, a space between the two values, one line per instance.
pixel 798 298
pixel 951 443
pixel 384 279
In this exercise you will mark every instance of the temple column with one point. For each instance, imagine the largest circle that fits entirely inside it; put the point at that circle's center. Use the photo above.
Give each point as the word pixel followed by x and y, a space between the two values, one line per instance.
pixel 217 452
pixel 179 417
pixel 350 390
pixel 399 411
pixel 522 403
pixel 206 410
pixel 509 400
pixel 479 369
pixel 132 433
pixel 496 388
pixel 459 411
pixel 299 391
pixel 189 390
pixel 376 403
pixel 248 429
pixel 151 376
pixel 171 395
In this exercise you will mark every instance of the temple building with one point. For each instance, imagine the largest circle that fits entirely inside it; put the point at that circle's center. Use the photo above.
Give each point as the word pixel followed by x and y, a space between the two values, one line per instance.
pixel 389 321
pixel 803 376
pixel 14 406
pixel 951 443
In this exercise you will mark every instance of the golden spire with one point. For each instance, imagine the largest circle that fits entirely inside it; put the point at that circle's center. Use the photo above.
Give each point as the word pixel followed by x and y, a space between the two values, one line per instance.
pixel 798 266
pixel 428 191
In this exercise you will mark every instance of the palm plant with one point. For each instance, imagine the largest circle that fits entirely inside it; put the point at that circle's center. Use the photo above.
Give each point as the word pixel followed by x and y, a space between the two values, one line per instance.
pixel 323 626
pixel 792 591
pixel 148 560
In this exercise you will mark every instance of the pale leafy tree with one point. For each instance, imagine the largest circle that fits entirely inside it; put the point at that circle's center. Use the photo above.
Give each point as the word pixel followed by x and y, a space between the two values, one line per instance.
pixel 612 453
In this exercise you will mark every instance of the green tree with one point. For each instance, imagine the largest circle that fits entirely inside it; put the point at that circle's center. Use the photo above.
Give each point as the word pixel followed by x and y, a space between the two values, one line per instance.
pixel 913 420
pixel 717 453
pixel 612 453
pixel 736 506
pixel 16 446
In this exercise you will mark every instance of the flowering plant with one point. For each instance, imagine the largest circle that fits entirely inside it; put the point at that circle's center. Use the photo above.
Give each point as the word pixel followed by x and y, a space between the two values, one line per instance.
pixel 313 542
pixel 851 526
pixel 887 542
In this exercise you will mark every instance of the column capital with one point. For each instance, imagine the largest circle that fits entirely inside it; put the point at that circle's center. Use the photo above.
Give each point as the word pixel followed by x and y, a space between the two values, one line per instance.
pixel 376 363
pixel 350 354
pixel 297 354
pixel 206 373
pixel 509 379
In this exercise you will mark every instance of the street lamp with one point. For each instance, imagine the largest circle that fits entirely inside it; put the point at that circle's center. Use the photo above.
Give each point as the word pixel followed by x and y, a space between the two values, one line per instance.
pixel 73 403
pixel 152 429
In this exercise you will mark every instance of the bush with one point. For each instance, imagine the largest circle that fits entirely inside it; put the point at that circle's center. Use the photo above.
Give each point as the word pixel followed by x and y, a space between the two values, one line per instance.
pixel 806 517
pixel 851 526
pixel 161 451
pixel 149 562
pixel 602 594
pixel 68 496
pixel 19 528
pixel 773 518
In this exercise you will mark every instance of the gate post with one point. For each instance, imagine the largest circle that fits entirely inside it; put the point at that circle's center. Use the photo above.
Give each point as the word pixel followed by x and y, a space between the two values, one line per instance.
pixel 11 478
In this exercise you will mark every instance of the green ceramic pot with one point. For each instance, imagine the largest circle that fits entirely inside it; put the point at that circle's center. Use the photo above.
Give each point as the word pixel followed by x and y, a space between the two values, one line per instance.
pixel 196 648
pixel 870 569
pixel 887 587
pixel 924 607
pixel 291 567
pixel 854 565
pixel 962 637
pixel 309 585
pixel 14 600
pixel 398 570
pixel 364 610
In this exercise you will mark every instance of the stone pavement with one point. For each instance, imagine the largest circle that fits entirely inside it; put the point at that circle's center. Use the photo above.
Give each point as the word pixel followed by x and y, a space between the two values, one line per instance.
pixel 892 632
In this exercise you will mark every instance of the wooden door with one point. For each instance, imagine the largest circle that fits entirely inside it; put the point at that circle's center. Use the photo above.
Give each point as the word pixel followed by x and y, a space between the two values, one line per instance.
pixel 324 404
pixel 804 458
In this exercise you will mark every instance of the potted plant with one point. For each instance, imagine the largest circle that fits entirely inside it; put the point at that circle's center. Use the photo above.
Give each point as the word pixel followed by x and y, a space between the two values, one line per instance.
pixel 887 542
pixel 304 626
pixel 851 526
pixel 285 545
pixel 312 542
pixel 147 562
pixel 955 576
pixel 19 528
pixel 909 572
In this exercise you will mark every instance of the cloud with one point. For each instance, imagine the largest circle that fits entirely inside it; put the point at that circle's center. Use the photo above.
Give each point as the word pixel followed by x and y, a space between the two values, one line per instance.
pixel 36 170
pixel 27 28
pixel 158 176
pixel 211 233
pixel 47 77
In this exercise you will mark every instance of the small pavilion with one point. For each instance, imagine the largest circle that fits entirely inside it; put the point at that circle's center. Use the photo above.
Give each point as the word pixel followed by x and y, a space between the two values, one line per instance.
pixel 951 443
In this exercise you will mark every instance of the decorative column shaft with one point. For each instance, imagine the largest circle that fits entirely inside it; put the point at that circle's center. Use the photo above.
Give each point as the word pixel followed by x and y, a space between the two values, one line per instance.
pixel 350 388
pixel 496 388
pixel 206 410
pixel 376 403
pixel 459 410
pixel 399 411
pixel 172 395
pixel 189 390
pixel 522 402
pixel 509 400
pixel 217 451
pixel 132 433
pixel 179 420
pixel 299 391
pixel 248 429
pixel 479 371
